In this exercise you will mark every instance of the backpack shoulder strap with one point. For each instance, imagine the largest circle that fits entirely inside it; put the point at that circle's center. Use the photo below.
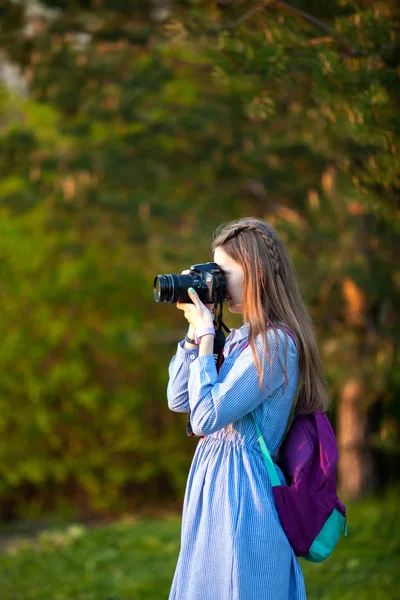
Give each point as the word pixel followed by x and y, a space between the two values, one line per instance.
pixel 296 395
pixel 292 411
pixel 273 475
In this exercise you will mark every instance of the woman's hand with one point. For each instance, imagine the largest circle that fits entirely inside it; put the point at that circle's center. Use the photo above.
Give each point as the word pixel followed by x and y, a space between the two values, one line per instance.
pixel 198 314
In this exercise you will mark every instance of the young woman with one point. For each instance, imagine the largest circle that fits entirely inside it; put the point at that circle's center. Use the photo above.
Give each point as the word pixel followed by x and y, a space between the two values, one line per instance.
pixel 232 544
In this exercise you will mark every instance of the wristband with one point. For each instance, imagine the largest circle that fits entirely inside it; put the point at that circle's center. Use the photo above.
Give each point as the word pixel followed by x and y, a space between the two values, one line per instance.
pixel 188 339
pixel 200 332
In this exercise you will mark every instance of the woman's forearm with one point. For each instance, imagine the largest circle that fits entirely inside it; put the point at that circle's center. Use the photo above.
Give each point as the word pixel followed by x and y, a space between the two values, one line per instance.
pixel 206 345
pixel 190 334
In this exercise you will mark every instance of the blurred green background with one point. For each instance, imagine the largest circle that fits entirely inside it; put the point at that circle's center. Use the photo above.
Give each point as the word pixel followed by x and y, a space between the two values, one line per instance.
pixel 128 132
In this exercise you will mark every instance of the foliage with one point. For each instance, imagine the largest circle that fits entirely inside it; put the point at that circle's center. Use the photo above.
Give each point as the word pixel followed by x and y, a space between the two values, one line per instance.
pixel 144 128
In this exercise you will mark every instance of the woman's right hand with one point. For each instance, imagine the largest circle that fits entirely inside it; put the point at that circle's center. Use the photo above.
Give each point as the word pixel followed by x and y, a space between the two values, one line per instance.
pixel 209 306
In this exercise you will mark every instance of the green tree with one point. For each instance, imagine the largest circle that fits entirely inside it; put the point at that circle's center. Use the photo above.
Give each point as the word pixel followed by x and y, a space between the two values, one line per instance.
pixel 146 126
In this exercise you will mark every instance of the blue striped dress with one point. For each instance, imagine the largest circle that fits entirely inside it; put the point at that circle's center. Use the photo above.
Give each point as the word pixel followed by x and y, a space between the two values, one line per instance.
pixel 232 545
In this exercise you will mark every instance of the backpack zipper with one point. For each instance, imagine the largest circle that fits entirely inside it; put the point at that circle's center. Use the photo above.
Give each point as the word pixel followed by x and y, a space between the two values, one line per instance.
pixel 345 526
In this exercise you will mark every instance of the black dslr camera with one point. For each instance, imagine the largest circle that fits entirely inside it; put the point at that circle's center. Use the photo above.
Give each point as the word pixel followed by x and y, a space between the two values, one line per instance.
pixel 206 279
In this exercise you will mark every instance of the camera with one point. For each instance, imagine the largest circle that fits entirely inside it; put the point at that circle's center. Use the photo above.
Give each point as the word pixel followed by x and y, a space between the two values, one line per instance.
pixel 206 279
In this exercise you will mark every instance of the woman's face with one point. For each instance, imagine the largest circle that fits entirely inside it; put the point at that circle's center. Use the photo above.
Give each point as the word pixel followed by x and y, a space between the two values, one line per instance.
pixel 233 274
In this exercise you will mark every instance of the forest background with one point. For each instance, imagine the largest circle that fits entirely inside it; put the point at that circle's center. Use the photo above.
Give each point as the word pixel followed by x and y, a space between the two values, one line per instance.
pixel 128 132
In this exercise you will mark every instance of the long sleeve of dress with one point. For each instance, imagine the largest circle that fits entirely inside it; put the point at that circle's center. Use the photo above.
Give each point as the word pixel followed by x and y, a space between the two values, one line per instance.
pixel 179 371
pixel 214 404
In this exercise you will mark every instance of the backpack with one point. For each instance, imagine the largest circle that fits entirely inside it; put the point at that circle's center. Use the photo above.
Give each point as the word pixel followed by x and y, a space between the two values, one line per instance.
pixel 310 512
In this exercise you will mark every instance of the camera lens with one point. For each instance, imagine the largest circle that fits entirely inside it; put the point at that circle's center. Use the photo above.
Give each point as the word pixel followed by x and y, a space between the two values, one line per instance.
pixel 163 288
pixel 174 288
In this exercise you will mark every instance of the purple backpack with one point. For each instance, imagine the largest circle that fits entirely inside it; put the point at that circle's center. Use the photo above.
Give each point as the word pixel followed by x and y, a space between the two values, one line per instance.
pixel 310 512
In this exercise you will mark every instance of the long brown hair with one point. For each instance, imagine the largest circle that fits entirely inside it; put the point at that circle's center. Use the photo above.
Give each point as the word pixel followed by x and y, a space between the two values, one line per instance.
pixel 271 295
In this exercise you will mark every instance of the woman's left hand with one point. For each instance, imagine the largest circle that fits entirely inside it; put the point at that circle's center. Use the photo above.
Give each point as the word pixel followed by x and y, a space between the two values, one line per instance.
pixel 198 314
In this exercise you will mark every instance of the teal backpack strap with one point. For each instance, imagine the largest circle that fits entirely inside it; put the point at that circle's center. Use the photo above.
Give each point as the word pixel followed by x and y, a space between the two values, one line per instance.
pixel 292 412
pixel 273 475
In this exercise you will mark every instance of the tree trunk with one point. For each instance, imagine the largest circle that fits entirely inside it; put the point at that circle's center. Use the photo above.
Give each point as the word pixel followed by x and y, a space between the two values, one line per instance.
pixel 355 468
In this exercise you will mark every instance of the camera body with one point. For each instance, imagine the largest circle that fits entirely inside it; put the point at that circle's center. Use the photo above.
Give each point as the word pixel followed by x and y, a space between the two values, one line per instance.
pixel 205 278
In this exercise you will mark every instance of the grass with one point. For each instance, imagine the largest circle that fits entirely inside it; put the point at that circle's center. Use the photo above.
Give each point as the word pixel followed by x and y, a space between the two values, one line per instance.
pixel 135 559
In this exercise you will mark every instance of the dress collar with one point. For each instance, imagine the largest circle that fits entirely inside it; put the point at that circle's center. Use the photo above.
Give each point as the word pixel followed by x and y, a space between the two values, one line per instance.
pixel 240 334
